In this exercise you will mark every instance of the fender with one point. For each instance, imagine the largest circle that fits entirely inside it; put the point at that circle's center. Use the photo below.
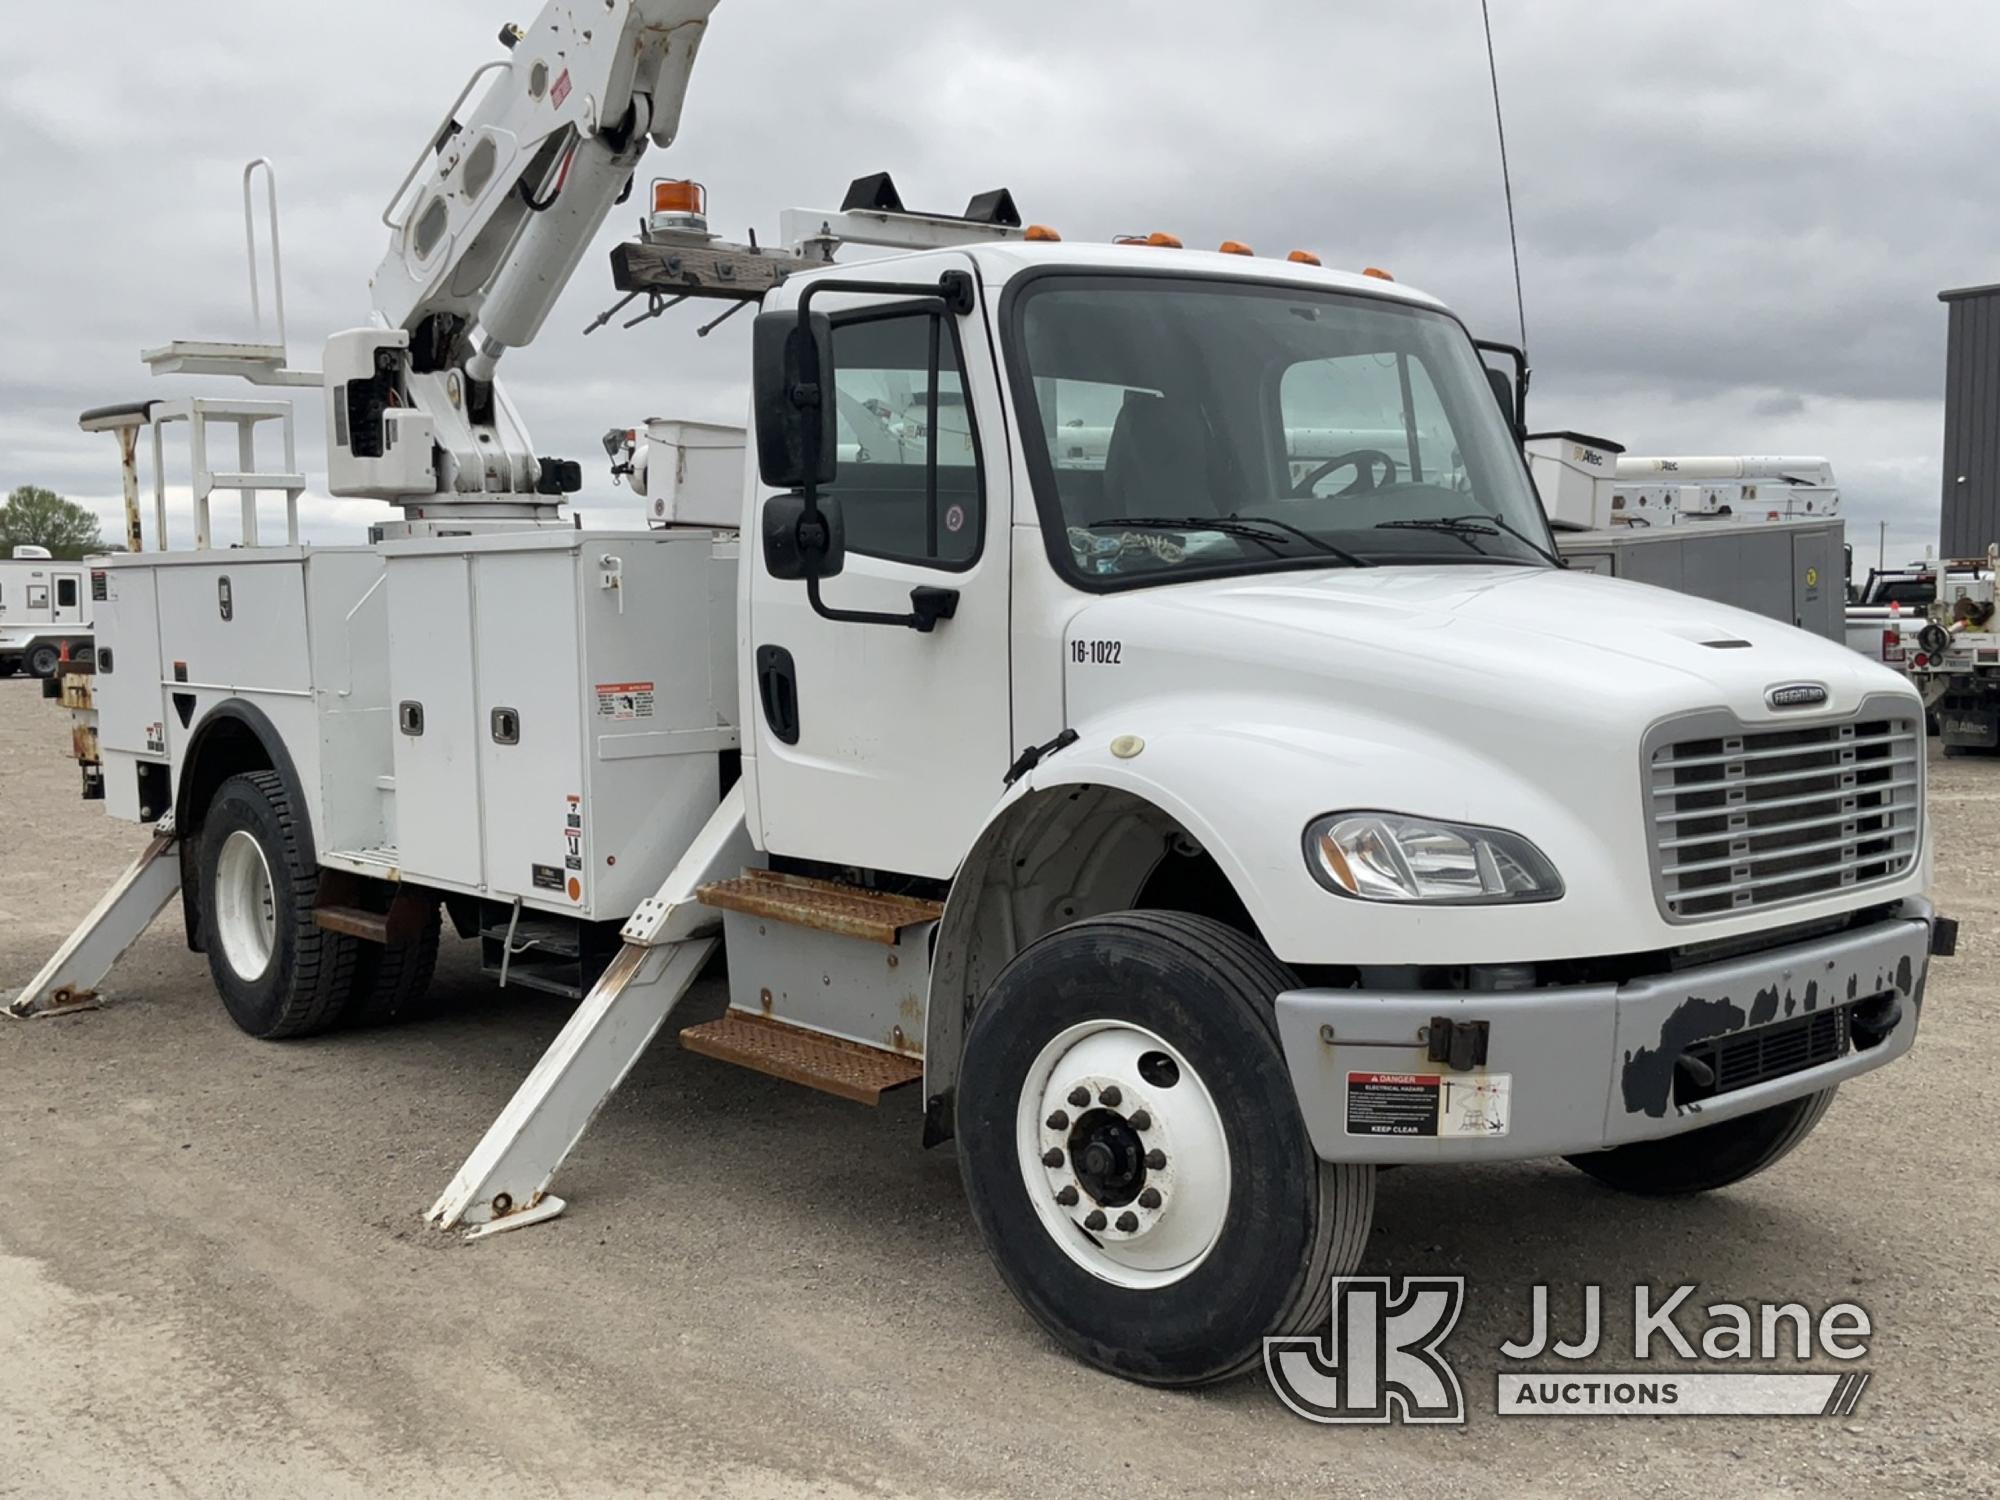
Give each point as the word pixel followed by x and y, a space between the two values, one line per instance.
pixel 233 736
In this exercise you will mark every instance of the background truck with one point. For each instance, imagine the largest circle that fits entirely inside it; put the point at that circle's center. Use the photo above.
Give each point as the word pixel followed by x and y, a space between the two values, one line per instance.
pixel 1952 652
pixel 1189 834
pixel 1762 533
pixel 45 612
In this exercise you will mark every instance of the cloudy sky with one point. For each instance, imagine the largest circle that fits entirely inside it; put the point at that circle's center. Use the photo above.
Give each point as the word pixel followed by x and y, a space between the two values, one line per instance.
pixel 1734 218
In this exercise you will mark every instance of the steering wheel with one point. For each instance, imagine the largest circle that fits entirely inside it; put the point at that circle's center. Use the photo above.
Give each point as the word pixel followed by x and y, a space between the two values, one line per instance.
pixel 1362 461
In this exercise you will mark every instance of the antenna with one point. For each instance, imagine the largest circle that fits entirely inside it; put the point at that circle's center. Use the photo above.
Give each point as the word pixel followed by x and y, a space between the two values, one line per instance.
pixel 1500 129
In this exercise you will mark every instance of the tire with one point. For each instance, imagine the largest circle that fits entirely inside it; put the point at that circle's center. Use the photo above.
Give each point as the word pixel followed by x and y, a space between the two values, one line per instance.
pixel 250 858
pixel 394 979
pixel 1114 998
pixel 42 660
pixel 1711 1157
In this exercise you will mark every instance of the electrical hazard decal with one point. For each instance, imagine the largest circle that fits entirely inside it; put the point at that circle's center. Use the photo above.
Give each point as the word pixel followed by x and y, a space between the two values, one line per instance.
pixel 624 700
pixel 1428 1105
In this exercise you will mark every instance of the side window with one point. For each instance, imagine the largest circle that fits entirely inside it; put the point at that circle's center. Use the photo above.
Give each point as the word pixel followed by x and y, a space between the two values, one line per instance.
pixel 1910 591
pixel 891 423
pixel 66 593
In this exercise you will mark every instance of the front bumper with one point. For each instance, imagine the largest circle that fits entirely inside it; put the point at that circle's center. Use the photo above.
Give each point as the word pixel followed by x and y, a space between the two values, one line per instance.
pixel 1586 1067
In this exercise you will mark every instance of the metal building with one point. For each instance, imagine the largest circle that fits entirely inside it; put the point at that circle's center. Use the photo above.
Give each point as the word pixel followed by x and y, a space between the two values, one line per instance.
pixel 1971 508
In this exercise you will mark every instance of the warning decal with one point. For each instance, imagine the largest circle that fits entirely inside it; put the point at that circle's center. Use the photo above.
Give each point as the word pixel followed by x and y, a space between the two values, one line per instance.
pixel 624 700
pixel 1428 1105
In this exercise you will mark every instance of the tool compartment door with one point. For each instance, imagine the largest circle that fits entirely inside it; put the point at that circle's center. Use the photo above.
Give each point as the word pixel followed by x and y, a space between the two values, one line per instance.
pixel 437 761
pixel 529 727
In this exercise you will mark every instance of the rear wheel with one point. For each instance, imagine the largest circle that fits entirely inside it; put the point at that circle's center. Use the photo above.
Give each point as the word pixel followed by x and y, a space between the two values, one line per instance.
pixel 279 974
pixel 43 660
pixel 1133 1156
pixel 395 978
pixel 1711 1157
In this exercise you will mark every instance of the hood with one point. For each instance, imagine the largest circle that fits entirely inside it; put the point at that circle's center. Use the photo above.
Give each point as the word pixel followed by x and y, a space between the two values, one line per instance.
pixel 1540 646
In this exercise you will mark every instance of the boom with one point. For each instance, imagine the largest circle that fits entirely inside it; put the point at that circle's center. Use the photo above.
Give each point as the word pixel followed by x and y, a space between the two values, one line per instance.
pixel 486 228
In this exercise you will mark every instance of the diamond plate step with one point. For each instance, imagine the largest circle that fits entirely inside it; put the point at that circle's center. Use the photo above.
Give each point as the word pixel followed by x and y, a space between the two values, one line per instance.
pixel 829 1064
pixel 823 904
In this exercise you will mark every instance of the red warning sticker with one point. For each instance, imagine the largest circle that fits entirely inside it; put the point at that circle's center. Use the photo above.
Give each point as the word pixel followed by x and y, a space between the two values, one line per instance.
pixel 560 91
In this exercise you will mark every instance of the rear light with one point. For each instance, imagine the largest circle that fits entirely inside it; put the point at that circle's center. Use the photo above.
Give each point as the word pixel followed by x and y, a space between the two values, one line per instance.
pixel 1920 660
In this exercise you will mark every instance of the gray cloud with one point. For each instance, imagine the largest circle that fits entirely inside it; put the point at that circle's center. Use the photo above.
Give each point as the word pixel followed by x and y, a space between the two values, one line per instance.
pixel 1734 219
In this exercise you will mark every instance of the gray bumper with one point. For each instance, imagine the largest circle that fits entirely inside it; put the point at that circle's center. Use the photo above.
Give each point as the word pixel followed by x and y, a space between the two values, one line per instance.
pixel 1590 1066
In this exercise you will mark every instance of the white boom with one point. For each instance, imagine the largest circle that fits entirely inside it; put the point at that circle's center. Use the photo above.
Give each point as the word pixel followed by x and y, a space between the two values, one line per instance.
pixel 486 228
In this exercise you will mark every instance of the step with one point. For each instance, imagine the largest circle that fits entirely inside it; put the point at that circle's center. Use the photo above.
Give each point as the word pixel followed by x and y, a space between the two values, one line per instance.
pixel 823 904
pixel 830 1064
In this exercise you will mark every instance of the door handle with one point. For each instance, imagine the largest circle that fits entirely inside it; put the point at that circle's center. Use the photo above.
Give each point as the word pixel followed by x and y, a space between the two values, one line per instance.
pixel 778 690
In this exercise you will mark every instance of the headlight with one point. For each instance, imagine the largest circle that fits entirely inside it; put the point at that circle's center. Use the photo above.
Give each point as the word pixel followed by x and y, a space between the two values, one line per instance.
pixel 1390 857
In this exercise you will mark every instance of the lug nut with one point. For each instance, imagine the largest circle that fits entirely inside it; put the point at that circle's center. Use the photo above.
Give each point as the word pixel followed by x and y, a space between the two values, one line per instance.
pixel 1111 1097
pixel 1052 1157
pixel 1094 1219
pixel 1079 1096
pixel 1156 1159
pixel 1127 1222
pixel 1057 1121
pixel 1067 1197
pixel 1150 1198
pixel 1140 1120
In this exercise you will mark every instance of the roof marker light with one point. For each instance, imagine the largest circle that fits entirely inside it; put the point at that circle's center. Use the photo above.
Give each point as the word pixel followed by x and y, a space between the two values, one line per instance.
pixel 1377 272
pixel 1158 239
pixel 1040 232
pixel 1303 258
pixel 1234 247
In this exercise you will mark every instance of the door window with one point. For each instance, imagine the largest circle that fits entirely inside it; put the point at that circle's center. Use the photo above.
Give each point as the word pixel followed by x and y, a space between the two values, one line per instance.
pixel 893 421
pixel 66 593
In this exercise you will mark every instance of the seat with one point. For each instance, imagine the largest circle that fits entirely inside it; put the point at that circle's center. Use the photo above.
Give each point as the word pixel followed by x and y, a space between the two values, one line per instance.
pixel 1156 463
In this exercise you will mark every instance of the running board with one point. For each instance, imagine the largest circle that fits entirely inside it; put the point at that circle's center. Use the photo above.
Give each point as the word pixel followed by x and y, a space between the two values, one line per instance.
pixel 69 980
pixel 825 905
pixel 829 1064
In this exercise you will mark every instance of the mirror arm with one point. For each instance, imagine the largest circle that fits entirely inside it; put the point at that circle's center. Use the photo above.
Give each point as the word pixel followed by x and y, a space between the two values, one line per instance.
pixel 951 293
pixel 1522 373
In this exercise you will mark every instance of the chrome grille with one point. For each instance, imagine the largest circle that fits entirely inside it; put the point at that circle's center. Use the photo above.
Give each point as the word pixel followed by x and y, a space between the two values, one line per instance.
pixel 1748 818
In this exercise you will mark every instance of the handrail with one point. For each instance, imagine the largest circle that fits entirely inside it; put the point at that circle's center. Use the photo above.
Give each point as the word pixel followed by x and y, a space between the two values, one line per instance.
pixel 389 219
pixel 277 254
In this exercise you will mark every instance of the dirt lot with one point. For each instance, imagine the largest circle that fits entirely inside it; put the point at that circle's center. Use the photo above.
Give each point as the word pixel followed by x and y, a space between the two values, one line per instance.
pixel 213 1278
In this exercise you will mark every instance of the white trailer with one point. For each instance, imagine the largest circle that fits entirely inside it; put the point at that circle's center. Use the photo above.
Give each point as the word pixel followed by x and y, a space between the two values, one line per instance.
pixel 46 612
pixel 1190 835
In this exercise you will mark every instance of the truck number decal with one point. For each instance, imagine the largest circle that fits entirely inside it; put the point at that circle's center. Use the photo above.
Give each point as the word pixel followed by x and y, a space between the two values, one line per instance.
pixel 1096 653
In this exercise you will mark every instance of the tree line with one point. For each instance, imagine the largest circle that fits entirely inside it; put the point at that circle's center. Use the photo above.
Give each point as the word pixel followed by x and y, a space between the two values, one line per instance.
pixel 35 517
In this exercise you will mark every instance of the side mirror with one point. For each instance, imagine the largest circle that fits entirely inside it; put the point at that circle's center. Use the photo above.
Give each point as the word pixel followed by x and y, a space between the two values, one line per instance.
pixel 796 549
pixel 1503 392
pixel 793 410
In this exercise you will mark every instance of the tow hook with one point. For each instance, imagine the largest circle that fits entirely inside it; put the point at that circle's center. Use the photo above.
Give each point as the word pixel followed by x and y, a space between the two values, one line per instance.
pixel 1944 937
pixel 1459 1045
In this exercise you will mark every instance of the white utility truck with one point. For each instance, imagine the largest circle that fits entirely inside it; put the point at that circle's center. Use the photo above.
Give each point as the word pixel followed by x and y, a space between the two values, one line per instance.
pixel 1194 833
pixel 1952 652
pixel 45 612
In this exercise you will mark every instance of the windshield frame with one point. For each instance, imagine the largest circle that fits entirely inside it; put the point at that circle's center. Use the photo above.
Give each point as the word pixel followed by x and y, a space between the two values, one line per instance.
pixel 1053 521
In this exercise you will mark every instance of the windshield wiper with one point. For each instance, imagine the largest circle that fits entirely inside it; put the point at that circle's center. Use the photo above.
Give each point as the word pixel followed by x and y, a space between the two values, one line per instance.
pixel 1465 528
pixel 1248 527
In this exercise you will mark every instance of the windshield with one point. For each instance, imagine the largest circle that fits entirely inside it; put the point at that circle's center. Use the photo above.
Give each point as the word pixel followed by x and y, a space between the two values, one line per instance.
pixel 1197 426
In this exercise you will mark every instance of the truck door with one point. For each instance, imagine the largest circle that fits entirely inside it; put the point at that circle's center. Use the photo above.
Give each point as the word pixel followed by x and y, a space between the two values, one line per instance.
pixel 69 599
pixel 875 745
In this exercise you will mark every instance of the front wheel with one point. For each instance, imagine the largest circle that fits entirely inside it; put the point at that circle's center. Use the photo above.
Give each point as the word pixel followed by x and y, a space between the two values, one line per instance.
pixel 1714 1156
pixel 1133 1155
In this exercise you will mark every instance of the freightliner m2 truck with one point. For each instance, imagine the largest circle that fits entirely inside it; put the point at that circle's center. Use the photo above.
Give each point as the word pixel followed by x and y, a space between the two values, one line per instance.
pixel 1183 837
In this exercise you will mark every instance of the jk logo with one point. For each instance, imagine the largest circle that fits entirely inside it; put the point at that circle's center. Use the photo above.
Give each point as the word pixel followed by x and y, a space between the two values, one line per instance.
pixel 1380 1361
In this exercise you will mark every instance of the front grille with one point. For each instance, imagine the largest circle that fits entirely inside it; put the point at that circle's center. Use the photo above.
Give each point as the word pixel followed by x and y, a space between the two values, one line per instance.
pixel 1743 819
pixel 1736 1062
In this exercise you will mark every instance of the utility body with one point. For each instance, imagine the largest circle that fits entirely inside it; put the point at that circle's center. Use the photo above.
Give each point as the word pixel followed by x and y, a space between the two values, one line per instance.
pixel 1193 826
pixel 1952 652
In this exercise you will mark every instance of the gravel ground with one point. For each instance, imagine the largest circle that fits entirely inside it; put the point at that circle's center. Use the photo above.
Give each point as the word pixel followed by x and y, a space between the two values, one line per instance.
pixel 214 1279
